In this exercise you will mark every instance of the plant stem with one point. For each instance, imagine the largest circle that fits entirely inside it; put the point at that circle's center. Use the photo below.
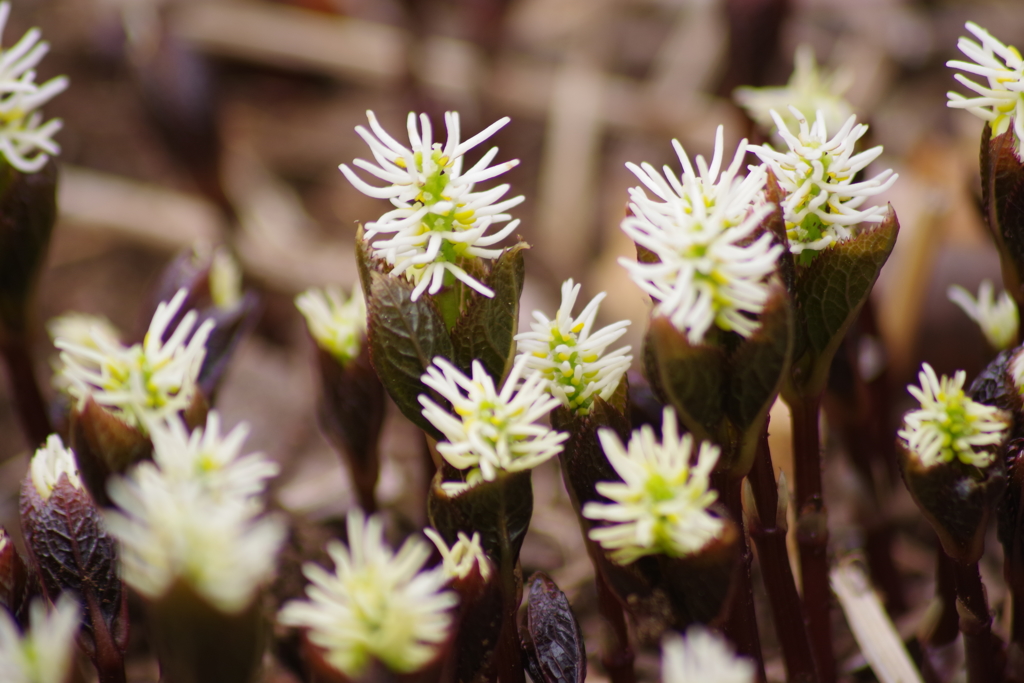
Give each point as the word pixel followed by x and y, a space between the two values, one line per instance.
pixel 616 655
pixel 812 532
pixel 741 622
pixel 948 624
pixel 32 412
pixel 985 660
pixel 510 664
pixel 770 539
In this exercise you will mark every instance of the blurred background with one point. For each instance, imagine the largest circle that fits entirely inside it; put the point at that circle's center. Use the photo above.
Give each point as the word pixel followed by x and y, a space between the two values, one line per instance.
pixel 213 121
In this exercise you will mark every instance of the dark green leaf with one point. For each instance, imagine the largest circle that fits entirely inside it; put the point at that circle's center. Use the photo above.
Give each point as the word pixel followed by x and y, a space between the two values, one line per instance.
pixel 197 643
pixel 758 367
pixel 958 500
pixel 552 640
pixel 404 337
pixel 698 586
pixel 1002 192
pixel 485 331
pixel 832 289
pixel 103 445
pixel 500 510
pixel 582 459
pixel 692 377
pixel 72 551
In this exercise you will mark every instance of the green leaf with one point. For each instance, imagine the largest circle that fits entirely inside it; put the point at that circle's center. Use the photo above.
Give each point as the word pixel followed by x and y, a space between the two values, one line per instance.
pixel 404 337
pixel 1002 192
pixel 758 367
pixel 485 331
pixel 830 292
pixel 500 510
pixel 692 377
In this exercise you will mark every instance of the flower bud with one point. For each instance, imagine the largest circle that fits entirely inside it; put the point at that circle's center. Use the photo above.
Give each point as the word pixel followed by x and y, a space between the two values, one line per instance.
pixel 72 551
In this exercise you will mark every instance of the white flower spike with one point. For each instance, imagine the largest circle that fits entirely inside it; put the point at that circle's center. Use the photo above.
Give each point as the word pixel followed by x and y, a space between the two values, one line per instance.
pixel 817 173
pixel 44 654
pixel 808 89
pixel 1001 101
pixel 49 463
pixel 210 460
pixel 438 219
pixel 194 514
pixel 459 560
pixel 708 271
pixel 661 504
pixel 702 657
pixel 335 322
pixel 145 382
pixel 491 431
pixel 376 604
pixel 572 356
pixel 998 319
pixel 950 426
pixel 26 142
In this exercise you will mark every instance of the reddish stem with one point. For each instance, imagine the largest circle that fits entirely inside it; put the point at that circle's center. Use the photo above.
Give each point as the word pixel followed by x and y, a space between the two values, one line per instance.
pixel 616 656
pixel 741 622
pixel 812 532
pixel 770 538
pixel 985 659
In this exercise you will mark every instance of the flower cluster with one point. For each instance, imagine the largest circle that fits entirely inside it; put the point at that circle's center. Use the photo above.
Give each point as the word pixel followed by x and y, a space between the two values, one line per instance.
pixel 817 173
pixel 194 514
pixel 709 269
pixel 950 426
pixel 808 89
pixel 1001 102
pixel 998 319
pixel 702 657
pixel 46 653
pixel 142 383
pixel 438 222
pixel 376 604
pixel 26 142
pixel 336 324
pixel 491 431
pixel 571 356
pixel 661 504
pixel 459 560
pixel 49 463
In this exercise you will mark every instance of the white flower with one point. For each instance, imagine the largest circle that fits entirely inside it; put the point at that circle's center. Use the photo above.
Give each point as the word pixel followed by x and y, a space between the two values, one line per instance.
pixel 459 560
pixel 194 515
pixel 144 382
pixel 83 329
pixel 661 504
pixel 998 320
pixel 490 432
pixel 25 141
pixel 208 459
pixel 702 657
pixel 438 220
pixel 375 604
pixel 1002 101
pixel 46 653
pixel 336 324
pixel 949 425
pixel 808 89
pixel 49 463
pixel 818 174
pixel 570 356
pixel 709 271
